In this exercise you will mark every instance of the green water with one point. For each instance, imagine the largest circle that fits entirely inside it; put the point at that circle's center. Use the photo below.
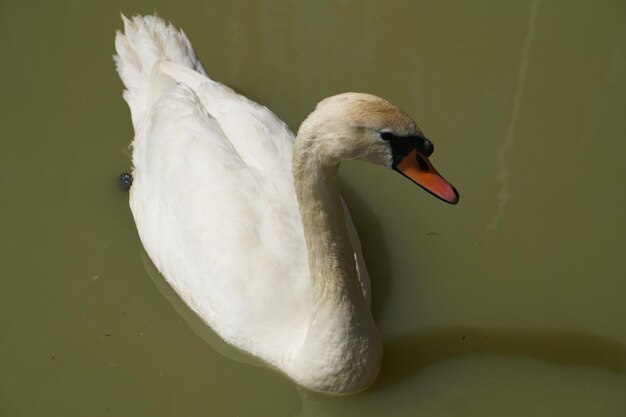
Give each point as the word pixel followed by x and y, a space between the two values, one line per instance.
pixel 509 304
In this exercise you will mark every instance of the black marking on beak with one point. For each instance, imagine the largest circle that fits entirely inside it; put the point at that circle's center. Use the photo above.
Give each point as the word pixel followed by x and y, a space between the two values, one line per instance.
pixel 422 163
pixel 402 145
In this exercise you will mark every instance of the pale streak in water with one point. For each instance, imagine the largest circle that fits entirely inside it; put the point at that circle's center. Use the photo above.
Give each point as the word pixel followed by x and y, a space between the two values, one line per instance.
pixel 504 173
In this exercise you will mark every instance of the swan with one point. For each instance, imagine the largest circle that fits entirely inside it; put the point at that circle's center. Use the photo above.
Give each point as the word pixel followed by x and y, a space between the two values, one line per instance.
pixel 246 222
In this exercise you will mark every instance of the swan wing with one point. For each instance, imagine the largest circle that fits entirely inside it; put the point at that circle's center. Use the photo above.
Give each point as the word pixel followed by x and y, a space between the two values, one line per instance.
pixel 224 232
pixel 261 139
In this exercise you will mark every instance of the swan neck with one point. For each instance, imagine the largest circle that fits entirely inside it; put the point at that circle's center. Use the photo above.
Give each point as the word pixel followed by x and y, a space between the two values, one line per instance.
pixel 341 330
pixel 331 256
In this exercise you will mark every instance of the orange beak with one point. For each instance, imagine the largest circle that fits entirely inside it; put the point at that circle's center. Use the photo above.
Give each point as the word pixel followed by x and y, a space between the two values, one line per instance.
pixel 418 169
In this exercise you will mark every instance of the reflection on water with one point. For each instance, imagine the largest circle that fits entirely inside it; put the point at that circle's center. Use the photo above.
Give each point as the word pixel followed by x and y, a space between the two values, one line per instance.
pixel 511 303
pixel 504 175
pixel 194 322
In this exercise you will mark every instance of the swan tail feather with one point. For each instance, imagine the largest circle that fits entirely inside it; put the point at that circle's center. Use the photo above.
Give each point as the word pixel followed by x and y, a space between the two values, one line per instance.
pixel 146 41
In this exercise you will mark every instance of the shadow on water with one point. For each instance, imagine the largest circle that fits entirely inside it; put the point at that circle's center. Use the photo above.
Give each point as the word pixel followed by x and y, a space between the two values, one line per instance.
pixel 408 353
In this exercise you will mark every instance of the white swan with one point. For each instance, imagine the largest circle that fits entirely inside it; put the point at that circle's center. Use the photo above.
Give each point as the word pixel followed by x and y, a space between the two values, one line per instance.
pixel 247 225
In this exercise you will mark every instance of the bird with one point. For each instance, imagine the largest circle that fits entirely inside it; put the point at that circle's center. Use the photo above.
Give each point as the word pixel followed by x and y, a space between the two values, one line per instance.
pixel 245 220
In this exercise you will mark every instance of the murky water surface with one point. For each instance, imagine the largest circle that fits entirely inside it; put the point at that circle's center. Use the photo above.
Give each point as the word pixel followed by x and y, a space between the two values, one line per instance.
pixel 511 303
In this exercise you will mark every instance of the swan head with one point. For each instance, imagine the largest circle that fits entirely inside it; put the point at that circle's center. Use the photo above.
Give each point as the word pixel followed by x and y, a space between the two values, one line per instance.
pixel 367 127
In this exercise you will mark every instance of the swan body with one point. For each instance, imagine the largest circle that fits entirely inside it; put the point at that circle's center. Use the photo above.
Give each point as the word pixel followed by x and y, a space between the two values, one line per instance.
pixel 245 222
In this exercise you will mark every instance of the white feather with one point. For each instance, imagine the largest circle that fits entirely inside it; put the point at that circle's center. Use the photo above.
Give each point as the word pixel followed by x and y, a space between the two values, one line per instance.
pixel 213 196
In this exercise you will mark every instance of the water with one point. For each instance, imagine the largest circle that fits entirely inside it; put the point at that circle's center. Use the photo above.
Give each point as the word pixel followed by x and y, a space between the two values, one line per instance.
pixel 511 303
